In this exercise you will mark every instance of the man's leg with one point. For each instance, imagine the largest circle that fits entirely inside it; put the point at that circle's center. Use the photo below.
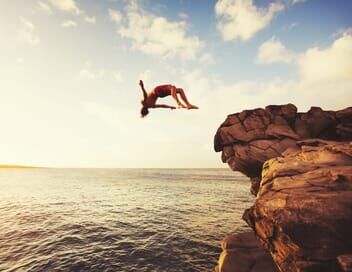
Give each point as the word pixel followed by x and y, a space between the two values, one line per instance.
pixel 184 98
pixel 174 96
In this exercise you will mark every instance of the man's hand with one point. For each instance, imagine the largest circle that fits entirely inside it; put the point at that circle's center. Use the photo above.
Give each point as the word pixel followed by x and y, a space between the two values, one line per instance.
pixel 141 83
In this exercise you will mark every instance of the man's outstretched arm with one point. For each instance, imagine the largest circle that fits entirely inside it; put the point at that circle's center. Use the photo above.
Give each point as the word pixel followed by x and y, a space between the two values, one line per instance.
pixel 145 95
pixel 164 106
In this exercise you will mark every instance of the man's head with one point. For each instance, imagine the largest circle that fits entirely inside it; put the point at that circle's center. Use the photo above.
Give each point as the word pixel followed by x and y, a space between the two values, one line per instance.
pixel 144 111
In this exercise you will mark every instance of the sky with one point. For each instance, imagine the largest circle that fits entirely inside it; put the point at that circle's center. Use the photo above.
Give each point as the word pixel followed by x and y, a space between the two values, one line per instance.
pixel 69 94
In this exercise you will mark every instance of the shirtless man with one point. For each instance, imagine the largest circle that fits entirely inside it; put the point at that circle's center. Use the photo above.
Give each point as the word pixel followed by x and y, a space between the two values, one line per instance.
pixel 149 99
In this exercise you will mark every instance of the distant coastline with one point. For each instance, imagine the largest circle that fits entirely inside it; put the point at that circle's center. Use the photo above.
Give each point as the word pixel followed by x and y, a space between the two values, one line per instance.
pixel 2 166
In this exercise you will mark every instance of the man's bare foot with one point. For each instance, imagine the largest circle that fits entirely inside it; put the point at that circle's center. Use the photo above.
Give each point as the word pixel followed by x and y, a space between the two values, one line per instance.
pixel 192 107
pixel 181 106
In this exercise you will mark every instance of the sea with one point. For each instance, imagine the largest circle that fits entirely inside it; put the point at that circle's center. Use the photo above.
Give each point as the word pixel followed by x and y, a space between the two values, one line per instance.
pixel 118 219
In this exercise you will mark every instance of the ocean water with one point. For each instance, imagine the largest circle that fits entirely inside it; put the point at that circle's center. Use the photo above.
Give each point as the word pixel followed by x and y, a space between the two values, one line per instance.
pixel 118 219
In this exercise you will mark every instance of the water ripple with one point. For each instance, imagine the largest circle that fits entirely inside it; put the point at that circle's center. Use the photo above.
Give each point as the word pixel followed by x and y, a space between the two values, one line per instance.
pixel 118 220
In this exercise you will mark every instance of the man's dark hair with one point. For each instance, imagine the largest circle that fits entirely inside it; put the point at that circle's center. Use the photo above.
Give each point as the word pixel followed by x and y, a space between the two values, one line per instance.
pixel 144 111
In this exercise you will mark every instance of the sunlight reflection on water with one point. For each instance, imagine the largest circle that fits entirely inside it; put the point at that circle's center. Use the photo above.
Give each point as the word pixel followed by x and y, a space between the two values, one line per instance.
pixel 118 219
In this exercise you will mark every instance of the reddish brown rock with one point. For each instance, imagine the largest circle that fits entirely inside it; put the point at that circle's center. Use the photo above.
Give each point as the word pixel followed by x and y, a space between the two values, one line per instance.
pixel 300 166
pixel 303 210
pixel 250 138
pixel 242 253
pixel 345 261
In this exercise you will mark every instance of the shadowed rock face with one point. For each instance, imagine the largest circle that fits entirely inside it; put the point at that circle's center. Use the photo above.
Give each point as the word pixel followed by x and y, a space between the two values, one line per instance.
pixel 250 138
pixel 300 165
pixel 303 211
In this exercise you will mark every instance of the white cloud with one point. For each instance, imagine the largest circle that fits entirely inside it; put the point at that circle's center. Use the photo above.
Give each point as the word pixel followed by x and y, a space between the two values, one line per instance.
pixel 325 75
pixel 217 99
pixel 341 32
pixel 115 15
pixel 330 64
pixel 206 59
pixel 272 51
pixel 324 80
pixel 293 2
pixel 117 76
pixel 242 19
pixel 146 75
pixel 69 23
pixel 86 74
pixel 67 5
pixel 198 87
pixel 90 74
pixel 157 35
pixel 333 63
pixel 183 16
pixel 289 27
pixel 90 19
pixel 26 32
pixel 44 7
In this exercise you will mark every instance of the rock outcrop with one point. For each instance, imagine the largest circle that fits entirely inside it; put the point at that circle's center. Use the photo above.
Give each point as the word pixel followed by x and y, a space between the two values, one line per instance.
pixel 243 253
pixel 250 138
pixel 300 165
pixel 303 211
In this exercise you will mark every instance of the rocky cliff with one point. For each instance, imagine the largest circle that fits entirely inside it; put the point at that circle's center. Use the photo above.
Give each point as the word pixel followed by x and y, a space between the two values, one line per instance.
pixel 300 165
pixel 250 138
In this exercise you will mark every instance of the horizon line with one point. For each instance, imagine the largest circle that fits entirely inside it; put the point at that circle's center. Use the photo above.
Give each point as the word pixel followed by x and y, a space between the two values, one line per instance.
pixel 14 166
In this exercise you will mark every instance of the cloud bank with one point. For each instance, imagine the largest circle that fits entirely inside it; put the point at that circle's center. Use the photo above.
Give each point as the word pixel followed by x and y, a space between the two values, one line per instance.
pixel 156 35
pixel 241 19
